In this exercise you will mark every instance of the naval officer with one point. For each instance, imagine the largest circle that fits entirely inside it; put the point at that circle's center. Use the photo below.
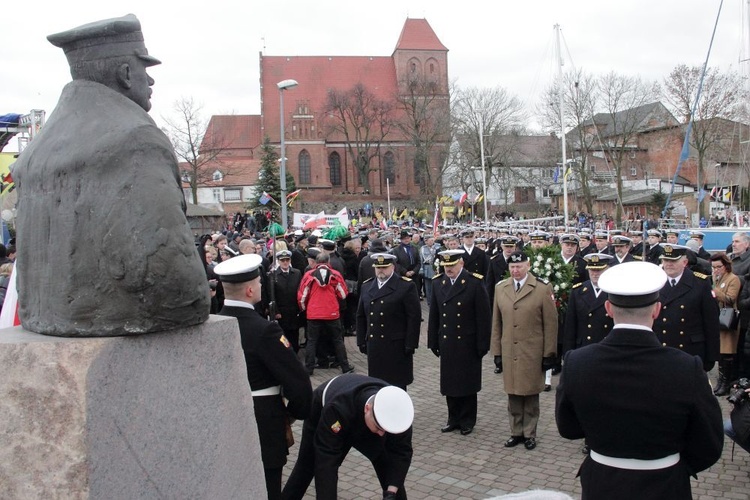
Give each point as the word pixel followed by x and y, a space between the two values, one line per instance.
pixel 645 442
pixel 388 322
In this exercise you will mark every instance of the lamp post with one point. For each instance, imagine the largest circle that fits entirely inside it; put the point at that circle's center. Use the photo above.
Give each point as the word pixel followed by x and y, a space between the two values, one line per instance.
pixel 481 153
pixel 283 85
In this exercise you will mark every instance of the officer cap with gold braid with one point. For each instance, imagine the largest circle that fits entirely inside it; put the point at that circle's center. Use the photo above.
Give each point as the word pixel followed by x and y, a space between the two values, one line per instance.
pixel 597 260
pixel 450 257
pixel 672 252
pixel 383 259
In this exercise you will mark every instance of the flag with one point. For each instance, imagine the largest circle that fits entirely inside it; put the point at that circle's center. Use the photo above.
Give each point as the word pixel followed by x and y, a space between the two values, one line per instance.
pixel 404 214
pixel 463 197
pixel 478 198
pixel 435 218
pixel 9 314
pixel 394 215
pixel 727 194
pixel 265 198
pixel 568 170
pixel 382 224
pixel 293 194
pixel 315 221
pixel 556 175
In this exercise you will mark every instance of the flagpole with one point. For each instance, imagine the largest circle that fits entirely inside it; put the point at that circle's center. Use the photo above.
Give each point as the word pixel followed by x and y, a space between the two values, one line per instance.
pixel 388 191
pixel 562 127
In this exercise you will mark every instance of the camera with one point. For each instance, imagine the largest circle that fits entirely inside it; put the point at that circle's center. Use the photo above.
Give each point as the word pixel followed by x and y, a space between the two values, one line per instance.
pixel 737 392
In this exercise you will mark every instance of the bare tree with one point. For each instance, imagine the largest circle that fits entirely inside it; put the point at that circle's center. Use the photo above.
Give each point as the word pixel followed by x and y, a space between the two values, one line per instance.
pixel 425 121
pixel 579 102
pixel 628 105
pixel 501 116
pixel 363 121
pixel 202 150
pixel 722 96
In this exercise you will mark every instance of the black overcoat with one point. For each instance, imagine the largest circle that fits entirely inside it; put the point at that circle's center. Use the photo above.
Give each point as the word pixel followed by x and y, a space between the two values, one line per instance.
pixel 388 322
pixel 632 398
pixel 271 361
pixel 689 318
pixel 459 327
pixel 285 287
pixel 586 320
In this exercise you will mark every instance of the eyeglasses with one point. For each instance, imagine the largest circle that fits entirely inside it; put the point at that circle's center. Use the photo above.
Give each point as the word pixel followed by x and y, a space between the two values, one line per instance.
pixel 717 267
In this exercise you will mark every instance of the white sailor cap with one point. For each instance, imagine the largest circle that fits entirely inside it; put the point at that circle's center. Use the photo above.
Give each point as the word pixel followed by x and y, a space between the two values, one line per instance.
pixel 393 410
pixel 697 234
pixel 383 259
pixel 239 269
pixel 597 260
pixel 633 284
pixel 283 254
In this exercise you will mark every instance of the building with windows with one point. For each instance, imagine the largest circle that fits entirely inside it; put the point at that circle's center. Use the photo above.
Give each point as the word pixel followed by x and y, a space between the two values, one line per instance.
pixel 356 127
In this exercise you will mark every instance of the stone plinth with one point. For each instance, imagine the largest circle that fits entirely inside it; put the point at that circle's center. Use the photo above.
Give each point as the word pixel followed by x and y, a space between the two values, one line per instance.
pixel 165 415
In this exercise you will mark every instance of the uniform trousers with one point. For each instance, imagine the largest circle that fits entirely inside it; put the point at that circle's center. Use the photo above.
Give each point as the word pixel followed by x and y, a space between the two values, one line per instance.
pixel 273 482
pixel 524 415
pixel 332 329
pixel 462 410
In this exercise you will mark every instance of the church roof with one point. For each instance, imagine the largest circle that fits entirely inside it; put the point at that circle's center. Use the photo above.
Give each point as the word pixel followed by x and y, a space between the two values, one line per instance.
pixel 417 34
pixel 233 132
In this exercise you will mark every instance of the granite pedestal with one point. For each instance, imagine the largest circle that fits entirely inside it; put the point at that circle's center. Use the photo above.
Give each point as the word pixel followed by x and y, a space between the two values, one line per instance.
pixel 164 415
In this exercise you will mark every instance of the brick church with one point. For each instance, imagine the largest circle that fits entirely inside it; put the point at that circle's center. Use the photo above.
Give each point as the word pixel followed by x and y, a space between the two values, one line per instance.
pixel 321 147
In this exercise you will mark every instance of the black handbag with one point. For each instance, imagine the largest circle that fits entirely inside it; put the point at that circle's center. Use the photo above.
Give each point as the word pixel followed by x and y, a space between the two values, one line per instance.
pixel 728 318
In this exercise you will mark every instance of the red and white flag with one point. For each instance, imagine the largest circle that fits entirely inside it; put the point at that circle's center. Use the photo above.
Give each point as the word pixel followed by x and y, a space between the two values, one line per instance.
pixel 9 314
pixel 315 221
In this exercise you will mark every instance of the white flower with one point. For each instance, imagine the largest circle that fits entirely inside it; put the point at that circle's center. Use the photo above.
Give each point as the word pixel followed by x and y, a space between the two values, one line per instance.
pixel 563 285
pixel 548 267
pixel 556 288
pixel 539 258
pixel 558 275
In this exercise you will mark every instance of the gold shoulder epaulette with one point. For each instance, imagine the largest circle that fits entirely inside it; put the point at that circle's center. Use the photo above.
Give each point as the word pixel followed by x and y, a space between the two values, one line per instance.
pixel 437 276
pixel 542 280
pixel 577 285
pixel 477 275
pixel 367 280
pixel 637 257
pixel 405 278
pixel 700 275
pixel 495 256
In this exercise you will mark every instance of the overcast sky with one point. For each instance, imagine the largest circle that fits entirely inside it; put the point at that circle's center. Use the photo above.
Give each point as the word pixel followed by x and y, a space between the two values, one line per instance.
pixel 210 49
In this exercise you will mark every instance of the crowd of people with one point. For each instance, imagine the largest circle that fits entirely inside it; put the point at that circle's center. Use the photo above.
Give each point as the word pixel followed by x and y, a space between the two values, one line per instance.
pixel 310 291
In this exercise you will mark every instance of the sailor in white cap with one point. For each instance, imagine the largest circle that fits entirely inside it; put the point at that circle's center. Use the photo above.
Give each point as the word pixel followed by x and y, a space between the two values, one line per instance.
pixel 646 411
pixel 354 411
pixel 273 369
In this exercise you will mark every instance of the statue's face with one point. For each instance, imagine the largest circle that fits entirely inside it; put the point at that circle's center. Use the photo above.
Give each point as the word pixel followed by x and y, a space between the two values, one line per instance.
pixel 140 84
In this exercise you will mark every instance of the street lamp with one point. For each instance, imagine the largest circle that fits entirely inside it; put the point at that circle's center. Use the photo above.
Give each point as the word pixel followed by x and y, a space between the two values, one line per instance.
pixel 283 85
pixel 481 153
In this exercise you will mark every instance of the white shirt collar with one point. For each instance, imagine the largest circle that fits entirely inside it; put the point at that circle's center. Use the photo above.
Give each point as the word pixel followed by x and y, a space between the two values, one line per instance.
pixel 238 303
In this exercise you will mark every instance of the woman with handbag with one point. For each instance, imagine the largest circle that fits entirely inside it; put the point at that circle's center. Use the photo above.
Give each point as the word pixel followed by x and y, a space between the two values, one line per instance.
pixel 726 288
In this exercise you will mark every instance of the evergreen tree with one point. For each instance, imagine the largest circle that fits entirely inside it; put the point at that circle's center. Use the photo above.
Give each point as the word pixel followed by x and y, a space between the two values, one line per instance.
pixel 268 178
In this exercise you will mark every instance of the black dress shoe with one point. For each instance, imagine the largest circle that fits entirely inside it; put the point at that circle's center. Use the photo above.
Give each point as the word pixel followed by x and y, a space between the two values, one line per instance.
pixel 465 431
pixel 449 428
pixel 530 443
pixel 347 369
pixel 514 441
pixel 498 370
pixel 585 449
pixel 547 387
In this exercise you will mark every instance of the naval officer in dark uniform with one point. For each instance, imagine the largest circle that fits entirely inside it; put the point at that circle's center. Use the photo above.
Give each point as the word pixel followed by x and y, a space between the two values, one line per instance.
pixel 354 411
pixel 476 260
pixel 498 265
pixel 689 317
pixel 285 280
pixel 645 441
pixel 273 370
pixel 388 321
pixel 458 332
pixel 586 320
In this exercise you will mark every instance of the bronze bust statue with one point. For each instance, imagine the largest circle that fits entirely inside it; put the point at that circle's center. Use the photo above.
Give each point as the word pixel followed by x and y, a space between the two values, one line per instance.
pixel 104 247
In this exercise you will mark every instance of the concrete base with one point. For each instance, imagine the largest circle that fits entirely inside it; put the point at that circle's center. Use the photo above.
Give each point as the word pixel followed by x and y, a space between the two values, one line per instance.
pixel 165 415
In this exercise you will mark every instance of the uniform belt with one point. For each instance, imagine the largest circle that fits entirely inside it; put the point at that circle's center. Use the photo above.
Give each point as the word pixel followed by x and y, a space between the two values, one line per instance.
pixel 268 391
pixel 634 463
pixel 323 398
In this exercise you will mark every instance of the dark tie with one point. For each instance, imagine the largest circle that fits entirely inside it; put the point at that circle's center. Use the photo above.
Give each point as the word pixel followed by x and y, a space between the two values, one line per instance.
pixel 673 282
pixel 596 290
pixel 518 286
pixel 408 252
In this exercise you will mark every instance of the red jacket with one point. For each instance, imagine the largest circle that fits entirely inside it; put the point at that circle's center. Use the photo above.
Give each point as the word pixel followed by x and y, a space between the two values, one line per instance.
pixel 319 292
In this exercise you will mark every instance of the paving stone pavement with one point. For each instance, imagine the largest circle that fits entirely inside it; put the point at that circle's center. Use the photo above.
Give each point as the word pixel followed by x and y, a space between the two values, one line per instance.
pixel 477 466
